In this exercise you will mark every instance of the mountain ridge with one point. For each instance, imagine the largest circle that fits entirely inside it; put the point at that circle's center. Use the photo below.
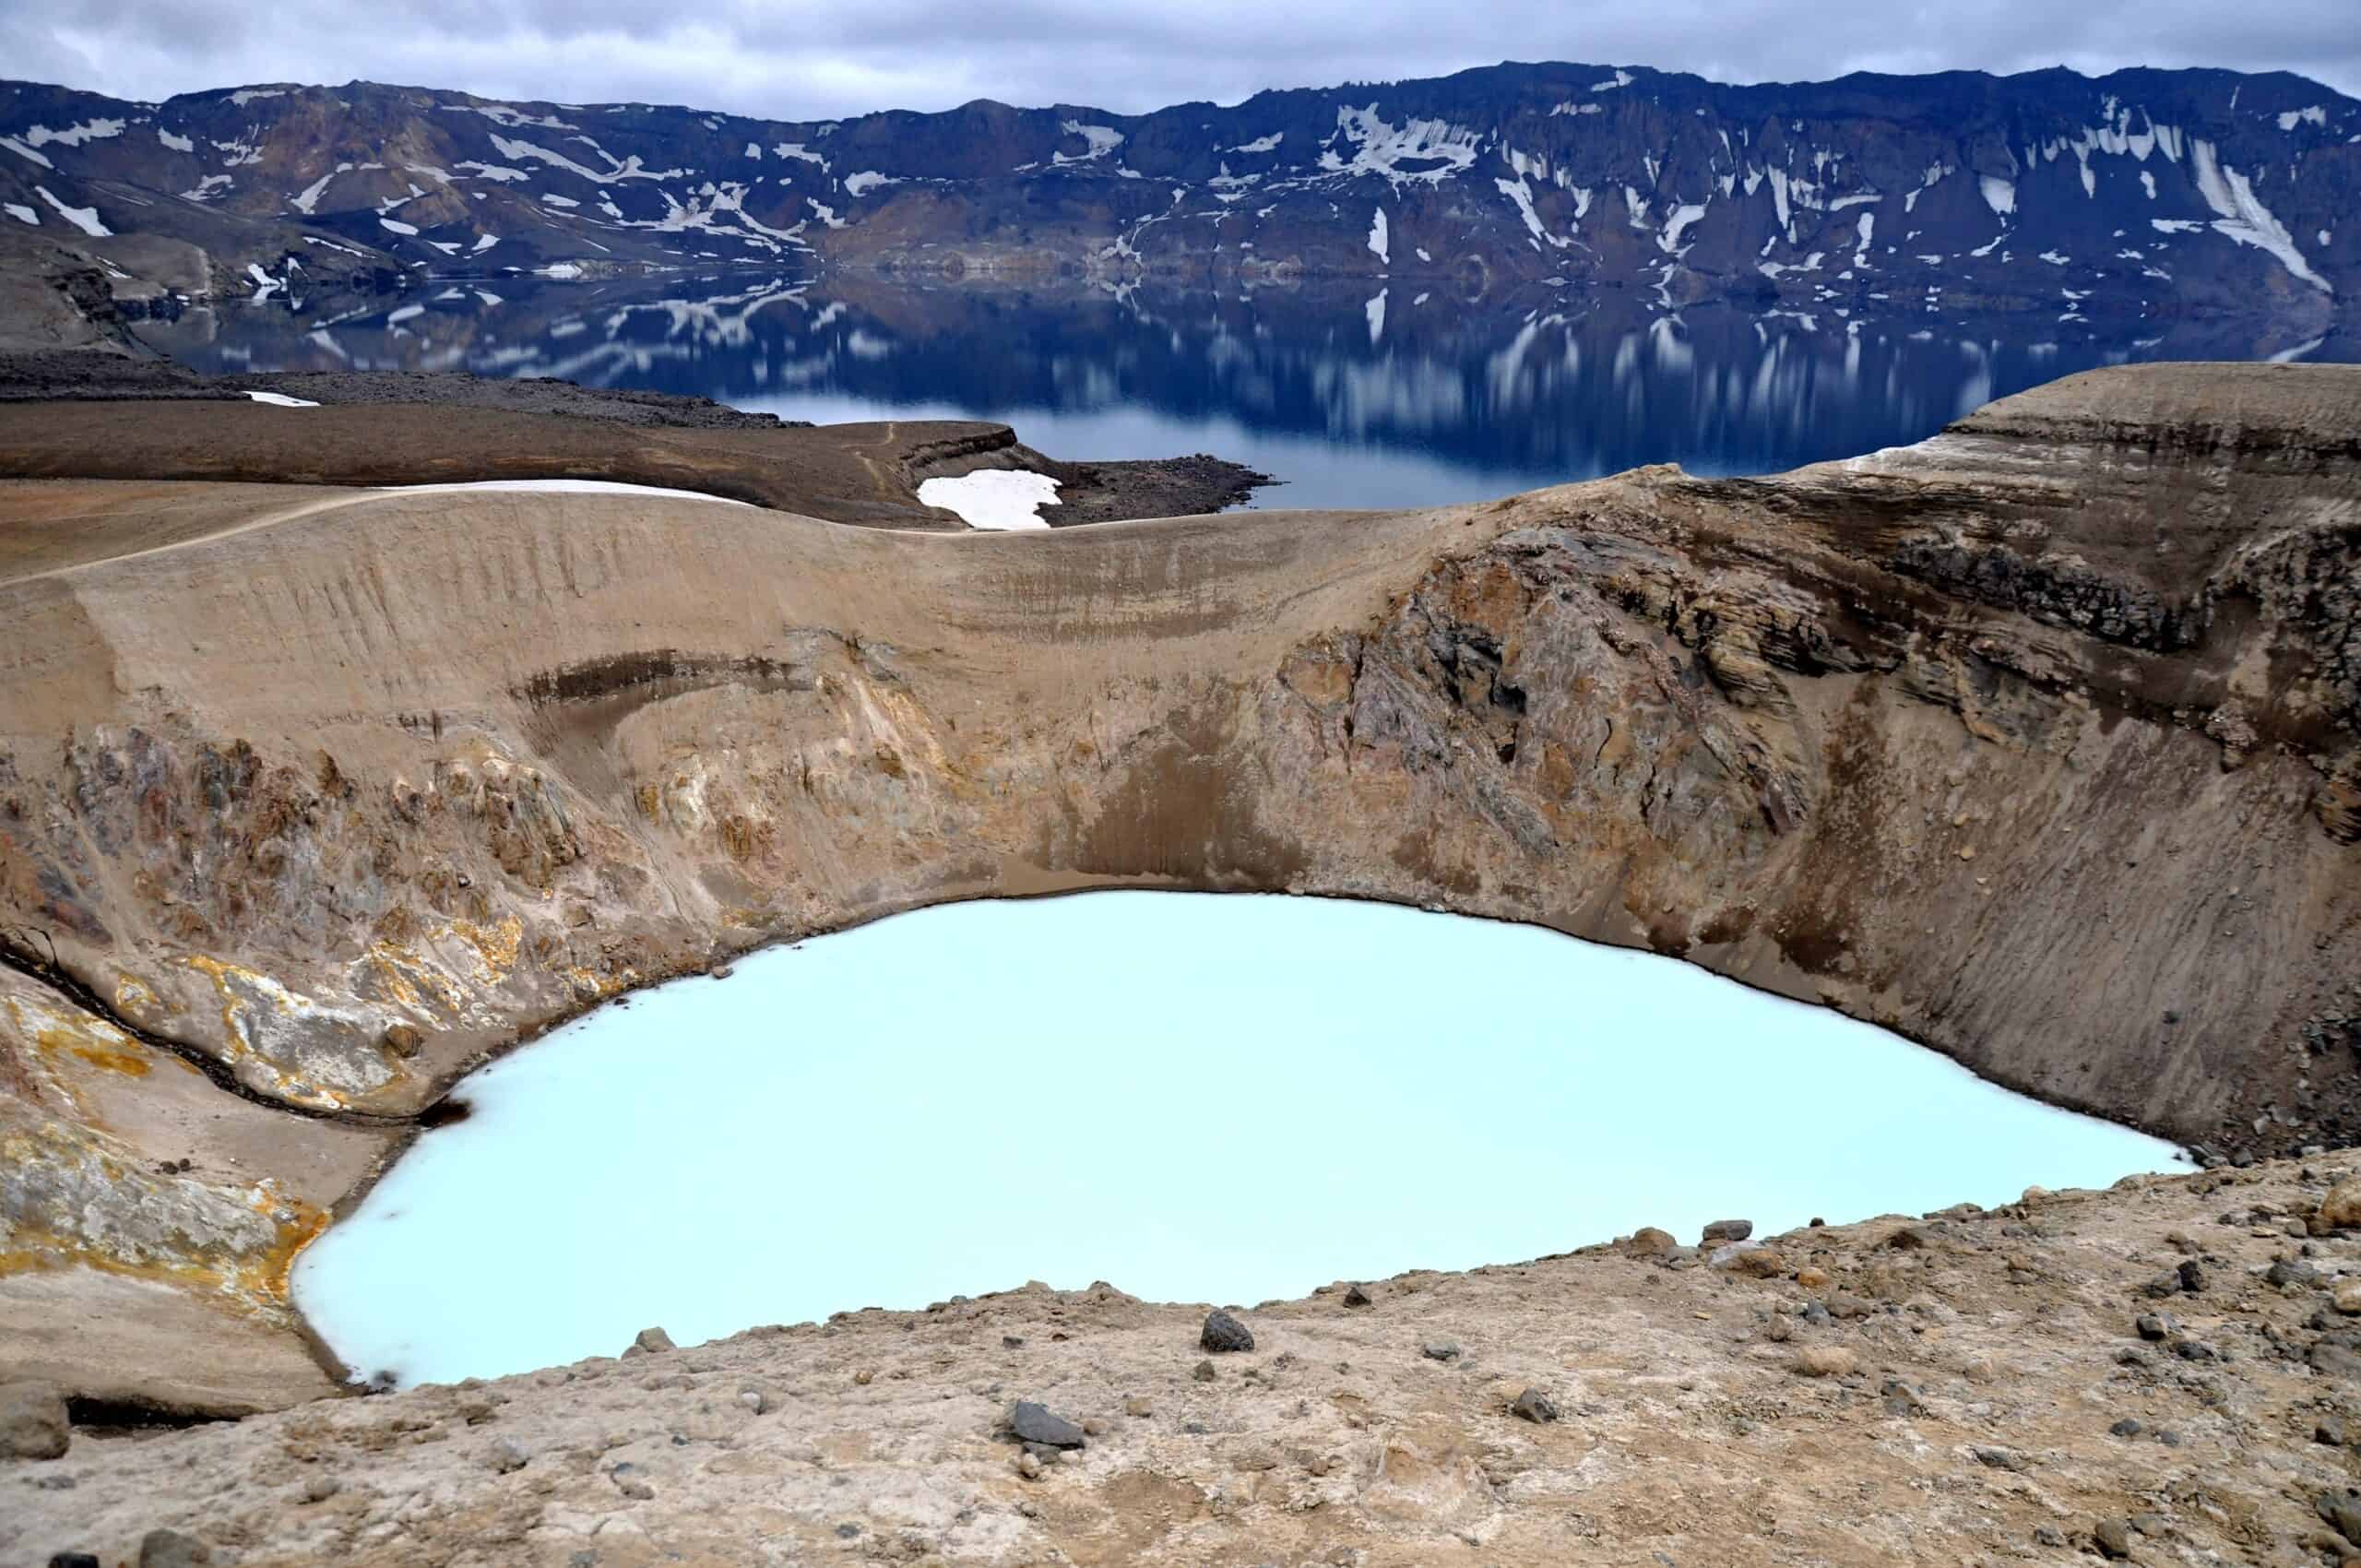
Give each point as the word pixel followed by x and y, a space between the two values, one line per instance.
pixel 2144 192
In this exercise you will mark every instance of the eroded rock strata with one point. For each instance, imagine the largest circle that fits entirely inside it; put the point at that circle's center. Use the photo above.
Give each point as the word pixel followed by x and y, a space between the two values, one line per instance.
pixel 2034 742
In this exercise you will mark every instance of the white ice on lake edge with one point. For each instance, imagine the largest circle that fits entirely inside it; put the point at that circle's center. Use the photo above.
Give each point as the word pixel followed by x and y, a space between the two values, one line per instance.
pixel 1000 499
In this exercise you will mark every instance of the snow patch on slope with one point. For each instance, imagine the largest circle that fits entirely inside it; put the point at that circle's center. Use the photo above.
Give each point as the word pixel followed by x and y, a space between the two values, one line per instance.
pixel 2243 217
pixel 1381 148
pixel 75 136
pixel 83 218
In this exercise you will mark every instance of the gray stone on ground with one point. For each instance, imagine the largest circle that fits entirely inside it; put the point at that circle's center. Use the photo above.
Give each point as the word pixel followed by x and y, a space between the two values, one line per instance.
pixel 1440 1349
pixel 649 1341
pixel 1032 1422
pixel 33 1423
pixel 1535 1407
pixel 1224 1333
pixel 1356 1296
pixel 1729 1230
pixel 169 1548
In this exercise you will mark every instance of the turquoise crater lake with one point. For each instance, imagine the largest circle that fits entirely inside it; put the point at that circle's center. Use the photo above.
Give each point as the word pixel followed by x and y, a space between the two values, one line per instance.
pixel 1197 1096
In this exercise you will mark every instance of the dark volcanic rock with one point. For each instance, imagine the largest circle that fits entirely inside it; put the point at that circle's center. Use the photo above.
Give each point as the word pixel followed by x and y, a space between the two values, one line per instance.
pixel 1224 1333
pixel 1032 1422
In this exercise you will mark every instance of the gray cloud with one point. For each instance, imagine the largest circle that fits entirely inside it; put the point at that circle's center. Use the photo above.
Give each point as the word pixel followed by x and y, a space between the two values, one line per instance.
pixel 826 58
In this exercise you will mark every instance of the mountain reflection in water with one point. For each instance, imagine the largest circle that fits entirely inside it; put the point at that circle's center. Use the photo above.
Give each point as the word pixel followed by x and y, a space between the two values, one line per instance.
pixel 1400 398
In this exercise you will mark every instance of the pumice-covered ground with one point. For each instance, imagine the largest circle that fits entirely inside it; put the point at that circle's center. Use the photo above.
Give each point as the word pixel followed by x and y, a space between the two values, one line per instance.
pixel 2168 1373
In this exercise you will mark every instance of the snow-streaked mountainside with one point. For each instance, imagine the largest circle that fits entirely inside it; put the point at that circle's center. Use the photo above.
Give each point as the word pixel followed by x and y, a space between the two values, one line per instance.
pixel 2157 191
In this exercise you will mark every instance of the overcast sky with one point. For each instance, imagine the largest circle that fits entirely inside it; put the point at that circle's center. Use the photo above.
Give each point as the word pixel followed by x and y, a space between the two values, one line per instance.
pixel 816 59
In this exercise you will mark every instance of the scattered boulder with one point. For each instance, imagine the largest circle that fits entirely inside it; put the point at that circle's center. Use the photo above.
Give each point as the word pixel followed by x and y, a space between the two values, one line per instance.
pixel 1440 1349
pixel 319 1489
pixel 651 1342
pixel 1028 1465
pixel 506 1454
pixel 2192 1278
pixel 2340 1512
pixel 1202 1371
pixel 1224 1334
pixel 169 1548
pixel 2346 1296
pixel 2340 1210
pixel 1759 1261
pixel 2130 1426
pixel 73 1560
pixel 33 1423
pixel 1032 1422
pixel 1355 1296
pixel 1139 1407
pixel 1998 1458
pixel 1728 1230
pixel 2329 1432
pixel 2154 1326
pixel 1826 1361
pixel 1648 1241
pixel 403 1040
pixel 2113 1537
pixel 1535 1407
pixel 2284 1272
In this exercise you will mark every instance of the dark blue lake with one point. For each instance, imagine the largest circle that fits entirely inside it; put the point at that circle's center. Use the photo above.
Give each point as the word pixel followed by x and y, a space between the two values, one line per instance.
pixel 1353 398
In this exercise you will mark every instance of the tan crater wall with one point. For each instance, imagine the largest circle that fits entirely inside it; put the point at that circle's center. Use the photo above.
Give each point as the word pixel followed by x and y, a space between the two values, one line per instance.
pixel 2033 743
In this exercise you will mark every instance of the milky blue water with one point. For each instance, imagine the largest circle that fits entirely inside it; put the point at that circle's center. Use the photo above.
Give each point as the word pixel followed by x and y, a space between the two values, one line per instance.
pixel 1199 1098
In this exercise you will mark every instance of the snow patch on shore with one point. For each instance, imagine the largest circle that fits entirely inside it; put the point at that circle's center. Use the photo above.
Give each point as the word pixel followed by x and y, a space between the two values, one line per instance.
pixel 1000 499
pixel 563 486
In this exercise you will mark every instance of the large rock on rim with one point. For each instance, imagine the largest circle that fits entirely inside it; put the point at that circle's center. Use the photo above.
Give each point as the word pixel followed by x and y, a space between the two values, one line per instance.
pixel 33 1423
pixel 1224 1333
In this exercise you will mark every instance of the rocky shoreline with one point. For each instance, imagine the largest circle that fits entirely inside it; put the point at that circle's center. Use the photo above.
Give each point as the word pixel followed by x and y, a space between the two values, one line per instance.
pixel 2165 1372
pixel 77 414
